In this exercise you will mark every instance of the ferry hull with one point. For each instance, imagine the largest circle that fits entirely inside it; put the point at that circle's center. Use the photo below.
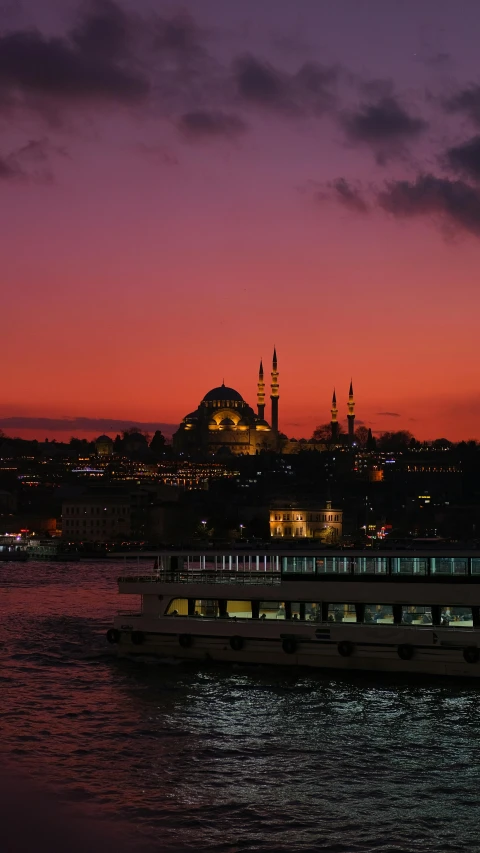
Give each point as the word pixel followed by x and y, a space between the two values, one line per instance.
pixel 429 658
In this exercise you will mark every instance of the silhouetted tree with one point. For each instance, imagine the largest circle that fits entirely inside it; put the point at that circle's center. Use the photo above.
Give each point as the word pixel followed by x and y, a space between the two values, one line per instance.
pixel 361 436
pixel 323 432
pixel 371 441
pixel 157 444
pixel 395 440
pixel 442 443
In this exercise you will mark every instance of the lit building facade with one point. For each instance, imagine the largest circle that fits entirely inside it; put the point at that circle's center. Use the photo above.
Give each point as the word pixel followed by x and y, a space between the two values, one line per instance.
pixel 306 521
pixel 104 445
pixel 224 421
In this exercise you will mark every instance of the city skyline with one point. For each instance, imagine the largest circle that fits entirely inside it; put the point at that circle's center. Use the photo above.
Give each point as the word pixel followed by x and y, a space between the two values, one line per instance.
pixel 184 188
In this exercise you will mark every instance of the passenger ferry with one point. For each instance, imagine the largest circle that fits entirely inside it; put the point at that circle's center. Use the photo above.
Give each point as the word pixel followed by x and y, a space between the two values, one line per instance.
pixel 389 611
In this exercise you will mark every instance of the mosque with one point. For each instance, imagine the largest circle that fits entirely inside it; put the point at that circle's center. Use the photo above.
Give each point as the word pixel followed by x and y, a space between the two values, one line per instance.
pixel 225 422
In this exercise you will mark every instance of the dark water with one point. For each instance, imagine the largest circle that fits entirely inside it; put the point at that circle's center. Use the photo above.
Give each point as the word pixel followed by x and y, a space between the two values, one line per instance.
pixel 226 759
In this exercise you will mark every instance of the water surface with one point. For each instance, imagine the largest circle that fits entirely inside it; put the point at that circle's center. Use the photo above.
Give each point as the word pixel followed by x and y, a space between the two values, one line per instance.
pixel 227 759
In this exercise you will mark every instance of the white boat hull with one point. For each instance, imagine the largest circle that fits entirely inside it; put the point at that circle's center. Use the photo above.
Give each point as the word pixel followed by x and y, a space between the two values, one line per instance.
pixel 365 648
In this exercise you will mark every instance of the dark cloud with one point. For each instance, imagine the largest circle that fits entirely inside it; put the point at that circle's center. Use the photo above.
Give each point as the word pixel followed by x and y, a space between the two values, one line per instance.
pixel 466 158
pixel 82 424
pixel 388 414
pixel 203 124
pixel 349 195
pixel 104 30
pixel 178 34
pixel 466 101
pixel 385 122
pixel 260 83
pixel 308 91
pixel 82 65
pixel 454 204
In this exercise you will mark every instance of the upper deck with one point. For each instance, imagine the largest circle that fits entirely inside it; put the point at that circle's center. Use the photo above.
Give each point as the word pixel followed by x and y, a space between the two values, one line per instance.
pixel 276 566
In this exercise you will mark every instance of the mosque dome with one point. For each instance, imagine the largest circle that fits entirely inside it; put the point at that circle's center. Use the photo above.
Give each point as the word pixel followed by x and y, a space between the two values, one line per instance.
pixel 104 445
pixel 222 394
pixel 227 422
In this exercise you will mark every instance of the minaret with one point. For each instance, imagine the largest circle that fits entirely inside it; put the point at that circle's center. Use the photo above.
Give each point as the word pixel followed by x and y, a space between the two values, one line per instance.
pixel 351 415
pixel 261 393
pixel 334 422
pixel 274 392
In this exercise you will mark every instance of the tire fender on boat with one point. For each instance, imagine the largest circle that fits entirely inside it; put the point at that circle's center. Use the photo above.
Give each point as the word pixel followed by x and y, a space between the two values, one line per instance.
pixel 471 654
pixel 405 651
pixel 289 645
pixel 345 648
pixel 113 636
pixel 185 640
pixel 236 643
pixel 138 637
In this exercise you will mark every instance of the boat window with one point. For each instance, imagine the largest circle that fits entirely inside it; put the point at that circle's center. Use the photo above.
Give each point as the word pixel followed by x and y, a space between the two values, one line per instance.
pixel 457 617
pixel 298 564
pixel 378 614
pixel 448 565
pixel 178 607
pixel 371 565
pixel 415 615
pixel 313 611
pixel 207 607
pixel 272 610
pixel 409 565
pixel 330 565
pixel 239 609
pixel 342 613
pixel 475 565
pixel 295 605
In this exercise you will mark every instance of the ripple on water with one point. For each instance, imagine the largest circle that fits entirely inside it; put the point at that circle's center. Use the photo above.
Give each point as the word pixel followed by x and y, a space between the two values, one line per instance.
pixel 228 759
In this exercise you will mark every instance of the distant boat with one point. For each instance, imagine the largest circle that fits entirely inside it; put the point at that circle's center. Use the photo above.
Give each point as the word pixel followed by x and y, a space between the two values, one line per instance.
pixel 51 552
pixel 13 556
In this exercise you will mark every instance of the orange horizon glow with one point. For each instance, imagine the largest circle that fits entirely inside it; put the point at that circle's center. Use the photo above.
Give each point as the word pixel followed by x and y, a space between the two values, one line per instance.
pixel 141 267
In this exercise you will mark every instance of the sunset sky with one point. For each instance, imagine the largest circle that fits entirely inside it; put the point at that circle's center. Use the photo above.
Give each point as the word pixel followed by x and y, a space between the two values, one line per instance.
pixel 186 185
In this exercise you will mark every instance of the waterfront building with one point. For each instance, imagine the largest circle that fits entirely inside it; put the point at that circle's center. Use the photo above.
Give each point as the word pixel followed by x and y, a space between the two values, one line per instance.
pixel 96 518
pixel 306 521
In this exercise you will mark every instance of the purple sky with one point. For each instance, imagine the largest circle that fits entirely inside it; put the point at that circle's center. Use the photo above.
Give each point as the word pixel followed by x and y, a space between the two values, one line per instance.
pixel 185 186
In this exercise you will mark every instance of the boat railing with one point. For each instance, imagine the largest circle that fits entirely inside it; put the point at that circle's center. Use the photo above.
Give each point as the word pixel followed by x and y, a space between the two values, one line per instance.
pixel 216 577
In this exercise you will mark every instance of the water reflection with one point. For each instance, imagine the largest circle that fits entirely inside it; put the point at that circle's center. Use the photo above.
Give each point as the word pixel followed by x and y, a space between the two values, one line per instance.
pixel 226 759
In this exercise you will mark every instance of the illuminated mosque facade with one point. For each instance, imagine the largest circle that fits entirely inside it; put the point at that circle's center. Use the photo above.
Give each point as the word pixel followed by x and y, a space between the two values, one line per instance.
pixel 225 422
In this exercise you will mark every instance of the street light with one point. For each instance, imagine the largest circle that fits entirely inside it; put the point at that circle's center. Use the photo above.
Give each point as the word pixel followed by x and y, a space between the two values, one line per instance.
pixel 242 527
